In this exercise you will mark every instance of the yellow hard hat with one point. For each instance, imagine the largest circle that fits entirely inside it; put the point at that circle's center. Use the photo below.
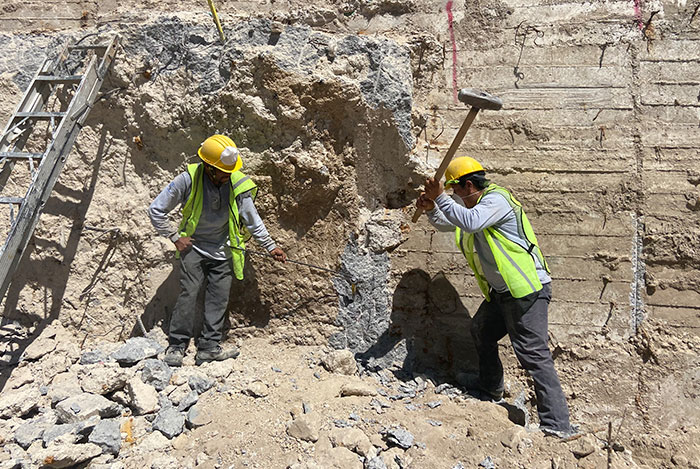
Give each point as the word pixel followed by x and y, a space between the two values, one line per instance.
pixel 221 152
pixel 460 167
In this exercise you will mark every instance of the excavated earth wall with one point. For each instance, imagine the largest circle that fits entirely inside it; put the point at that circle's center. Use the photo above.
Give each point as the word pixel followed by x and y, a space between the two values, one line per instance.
pixel 340 110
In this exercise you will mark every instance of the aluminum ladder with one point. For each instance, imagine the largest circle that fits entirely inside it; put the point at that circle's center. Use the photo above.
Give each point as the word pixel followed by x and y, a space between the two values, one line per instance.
pixel 80 70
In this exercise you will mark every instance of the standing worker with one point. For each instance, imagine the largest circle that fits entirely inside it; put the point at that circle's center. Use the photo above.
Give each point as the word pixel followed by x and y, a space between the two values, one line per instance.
pixel 513 276
pixel 217 200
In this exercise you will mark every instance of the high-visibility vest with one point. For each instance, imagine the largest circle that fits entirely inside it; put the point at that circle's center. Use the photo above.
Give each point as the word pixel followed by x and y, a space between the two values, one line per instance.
pixel 240 183
pixel 514 260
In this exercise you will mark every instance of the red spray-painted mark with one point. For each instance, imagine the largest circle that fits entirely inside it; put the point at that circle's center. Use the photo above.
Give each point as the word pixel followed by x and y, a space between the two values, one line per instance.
pixel 638 13
pixel 448 7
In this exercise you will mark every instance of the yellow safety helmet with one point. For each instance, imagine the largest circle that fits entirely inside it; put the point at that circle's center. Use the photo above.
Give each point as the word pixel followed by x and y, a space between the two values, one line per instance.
pixel 460 167
pixel 221 152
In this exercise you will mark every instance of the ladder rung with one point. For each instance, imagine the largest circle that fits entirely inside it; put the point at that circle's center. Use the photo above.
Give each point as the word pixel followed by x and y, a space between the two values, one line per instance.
pixel 39 115
pixel 63 79
pixel 11 200
pixel 87 47
pixel 20 154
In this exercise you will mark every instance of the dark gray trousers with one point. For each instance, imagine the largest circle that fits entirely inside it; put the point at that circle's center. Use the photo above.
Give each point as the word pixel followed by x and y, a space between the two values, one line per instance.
pixel 194 270
pixel 525 321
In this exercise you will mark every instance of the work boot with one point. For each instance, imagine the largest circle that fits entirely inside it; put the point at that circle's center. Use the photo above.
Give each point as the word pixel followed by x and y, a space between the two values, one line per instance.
pixel 215 354
pixel 562 434
pixel 174 355
pixel 487 396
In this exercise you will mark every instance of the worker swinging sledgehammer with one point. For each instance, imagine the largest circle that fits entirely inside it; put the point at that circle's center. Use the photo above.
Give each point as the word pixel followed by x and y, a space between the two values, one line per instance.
pixel 218 200
pixel 494 234
pixel 513 276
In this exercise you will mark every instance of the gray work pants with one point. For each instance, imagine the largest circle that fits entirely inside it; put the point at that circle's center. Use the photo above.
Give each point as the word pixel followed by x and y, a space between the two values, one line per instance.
pixel 525 321
pixel 194 270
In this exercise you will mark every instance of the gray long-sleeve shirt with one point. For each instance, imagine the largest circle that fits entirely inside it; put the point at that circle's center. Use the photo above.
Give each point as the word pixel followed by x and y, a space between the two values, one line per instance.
pixel 211 234
pixel 492 210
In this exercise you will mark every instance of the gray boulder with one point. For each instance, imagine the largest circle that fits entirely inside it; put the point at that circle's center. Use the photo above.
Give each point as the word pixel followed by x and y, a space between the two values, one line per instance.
pixel 196 418
pixel 28 433
pixel 94 356
pixel 200 383
pixel 33 429
pixel 78 431
pixel 107 436
pixel 157 373
pixel 170 422
pixel 375 463
pixel 399 436
pixel 188 401
pixel 136 349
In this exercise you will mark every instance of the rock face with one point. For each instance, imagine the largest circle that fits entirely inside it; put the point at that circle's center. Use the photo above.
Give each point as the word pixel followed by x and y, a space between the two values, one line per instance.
pixel 63 386
pixel 326 102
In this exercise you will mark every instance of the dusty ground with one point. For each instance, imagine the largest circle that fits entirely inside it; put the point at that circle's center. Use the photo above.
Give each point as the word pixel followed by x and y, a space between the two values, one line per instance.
pixel 470 430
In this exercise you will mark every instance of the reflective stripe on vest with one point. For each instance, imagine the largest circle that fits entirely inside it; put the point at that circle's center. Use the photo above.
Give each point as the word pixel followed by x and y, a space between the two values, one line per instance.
pixel 192 211
pixel 514 261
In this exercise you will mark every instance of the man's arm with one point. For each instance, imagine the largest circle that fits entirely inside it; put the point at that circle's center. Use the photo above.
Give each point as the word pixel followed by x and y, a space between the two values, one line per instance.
pixel 491 209
pixel 435 216
pixel 438 220
pixel 175 193
pixel 251 219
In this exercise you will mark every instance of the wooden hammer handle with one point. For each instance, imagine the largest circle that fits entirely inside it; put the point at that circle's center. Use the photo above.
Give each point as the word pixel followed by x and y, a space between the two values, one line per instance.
pixel 451 152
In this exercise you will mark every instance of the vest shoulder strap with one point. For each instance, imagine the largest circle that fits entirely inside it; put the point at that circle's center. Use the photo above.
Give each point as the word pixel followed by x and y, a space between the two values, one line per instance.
pixel 241 183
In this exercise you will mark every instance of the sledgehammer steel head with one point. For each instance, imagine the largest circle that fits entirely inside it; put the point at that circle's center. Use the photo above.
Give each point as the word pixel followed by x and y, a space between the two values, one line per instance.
pixel 479 99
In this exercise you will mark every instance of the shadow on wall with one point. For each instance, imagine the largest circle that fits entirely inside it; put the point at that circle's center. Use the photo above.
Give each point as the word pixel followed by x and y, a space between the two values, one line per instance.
pixel 31 271
pixel 157 311
pixel 244 304
pixel 430 321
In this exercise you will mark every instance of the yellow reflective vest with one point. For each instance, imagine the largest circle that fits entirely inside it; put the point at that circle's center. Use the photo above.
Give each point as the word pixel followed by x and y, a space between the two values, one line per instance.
pixel 240 183
pixel 515 262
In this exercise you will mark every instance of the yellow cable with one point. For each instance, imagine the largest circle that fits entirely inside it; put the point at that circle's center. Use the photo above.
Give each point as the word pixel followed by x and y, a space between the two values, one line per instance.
pixel 216 20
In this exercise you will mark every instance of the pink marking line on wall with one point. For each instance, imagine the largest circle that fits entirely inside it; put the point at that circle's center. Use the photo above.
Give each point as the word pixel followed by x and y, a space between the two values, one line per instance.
pixel 448 7
pixel 638 13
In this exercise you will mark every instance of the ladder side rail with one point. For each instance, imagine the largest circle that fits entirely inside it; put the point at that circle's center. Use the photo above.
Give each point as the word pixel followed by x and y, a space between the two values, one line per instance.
pixel 49 169
pixel 108 57
pixel 33 99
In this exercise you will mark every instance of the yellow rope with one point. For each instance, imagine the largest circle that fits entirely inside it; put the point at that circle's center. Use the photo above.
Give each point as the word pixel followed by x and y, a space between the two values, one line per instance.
pixel 216 20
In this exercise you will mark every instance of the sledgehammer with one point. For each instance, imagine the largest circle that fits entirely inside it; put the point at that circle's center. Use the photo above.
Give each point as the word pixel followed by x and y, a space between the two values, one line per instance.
pixel 478 100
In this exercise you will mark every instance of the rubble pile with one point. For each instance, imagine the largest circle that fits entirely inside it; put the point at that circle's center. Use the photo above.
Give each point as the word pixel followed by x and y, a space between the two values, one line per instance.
pixel 117 405
pixel 63 407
